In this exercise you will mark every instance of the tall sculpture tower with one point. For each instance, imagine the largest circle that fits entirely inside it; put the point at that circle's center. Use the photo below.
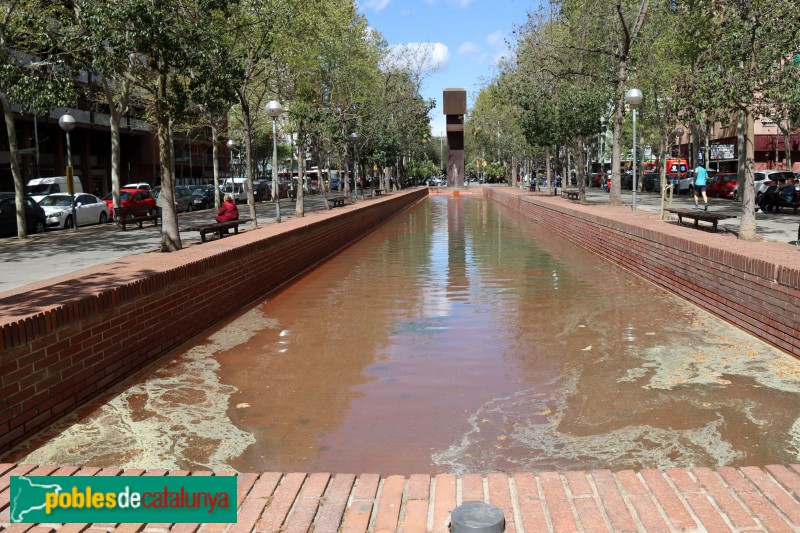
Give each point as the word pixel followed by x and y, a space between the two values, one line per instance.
pixel 455 106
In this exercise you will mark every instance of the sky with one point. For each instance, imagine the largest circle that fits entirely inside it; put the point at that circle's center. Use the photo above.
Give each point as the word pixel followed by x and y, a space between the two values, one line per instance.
pixel 465 37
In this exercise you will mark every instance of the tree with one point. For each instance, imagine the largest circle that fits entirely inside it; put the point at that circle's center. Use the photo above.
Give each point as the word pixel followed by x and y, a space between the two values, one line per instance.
pixel 34 71
pixel 744 67
pixel 175 43
pixel 266 23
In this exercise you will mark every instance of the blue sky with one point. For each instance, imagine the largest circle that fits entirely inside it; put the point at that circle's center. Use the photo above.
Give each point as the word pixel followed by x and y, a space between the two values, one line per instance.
pixel 465 38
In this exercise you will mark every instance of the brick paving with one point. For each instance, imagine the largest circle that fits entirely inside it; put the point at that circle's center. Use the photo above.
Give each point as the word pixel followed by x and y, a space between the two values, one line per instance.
pixel 745 499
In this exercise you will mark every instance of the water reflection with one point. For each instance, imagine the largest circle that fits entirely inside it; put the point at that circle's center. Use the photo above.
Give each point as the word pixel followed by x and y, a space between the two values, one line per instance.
pixel 460 337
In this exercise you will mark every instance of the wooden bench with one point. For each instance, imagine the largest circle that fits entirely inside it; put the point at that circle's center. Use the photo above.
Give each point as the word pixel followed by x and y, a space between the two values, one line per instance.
pixel 572 194
pixel 336 201
pixel 698 215
pixel 220 228
pixel 792 205
pixel 123 220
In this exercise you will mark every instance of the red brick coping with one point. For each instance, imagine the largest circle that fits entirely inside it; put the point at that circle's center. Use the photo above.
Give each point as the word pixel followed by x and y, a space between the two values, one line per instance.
pixel 697 499
pixel 753 285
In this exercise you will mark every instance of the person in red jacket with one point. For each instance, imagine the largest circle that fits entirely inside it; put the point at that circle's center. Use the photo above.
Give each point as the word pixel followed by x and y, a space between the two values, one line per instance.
pixel 228 210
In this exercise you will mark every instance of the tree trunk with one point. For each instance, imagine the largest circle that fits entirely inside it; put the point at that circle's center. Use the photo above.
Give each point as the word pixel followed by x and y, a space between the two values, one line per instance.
pixel 13 150
pixel 116 117
pixel 662 161
pixel 581 174
pixel 747 226
pixel 299 206
pixel 346 184
pixel 248 151
pixel 170 236
pixel 325 186
pixel 215 162
pixel 547 157
pixel 787 146
pixel 616 150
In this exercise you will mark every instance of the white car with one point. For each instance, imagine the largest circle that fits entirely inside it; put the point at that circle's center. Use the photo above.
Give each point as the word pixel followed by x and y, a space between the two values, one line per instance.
pixel 142 185
pixel 89 209
pixel 764 178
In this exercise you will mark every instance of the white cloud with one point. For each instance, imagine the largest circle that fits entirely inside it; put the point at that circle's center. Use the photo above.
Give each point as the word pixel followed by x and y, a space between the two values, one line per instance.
pixel 461 4
pixel 426 57
pixel 501 56
pixel 467 48
pixel 376 5
pixel 495 38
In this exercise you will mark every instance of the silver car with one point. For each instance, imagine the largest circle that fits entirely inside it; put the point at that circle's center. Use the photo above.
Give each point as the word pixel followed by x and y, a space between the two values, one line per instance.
pixel 89 209
pixel 183 198
pixel 764 178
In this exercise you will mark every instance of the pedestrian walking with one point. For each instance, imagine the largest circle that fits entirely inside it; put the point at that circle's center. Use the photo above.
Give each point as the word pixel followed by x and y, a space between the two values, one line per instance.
pixel 700 181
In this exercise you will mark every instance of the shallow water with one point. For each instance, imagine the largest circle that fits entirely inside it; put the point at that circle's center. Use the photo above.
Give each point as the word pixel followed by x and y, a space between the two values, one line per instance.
pixel 457 337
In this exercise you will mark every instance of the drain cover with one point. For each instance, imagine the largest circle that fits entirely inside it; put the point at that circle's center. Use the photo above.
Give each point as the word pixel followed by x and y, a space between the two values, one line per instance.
pixel 477 518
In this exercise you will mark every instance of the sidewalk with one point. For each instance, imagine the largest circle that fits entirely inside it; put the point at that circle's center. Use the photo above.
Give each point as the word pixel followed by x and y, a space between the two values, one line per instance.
pixel 55 253
pixel 781 227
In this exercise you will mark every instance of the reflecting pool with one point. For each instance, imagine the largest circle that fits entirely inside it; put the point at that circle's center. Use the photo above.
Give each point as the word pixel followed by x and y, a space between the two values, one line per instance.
pixel 457 337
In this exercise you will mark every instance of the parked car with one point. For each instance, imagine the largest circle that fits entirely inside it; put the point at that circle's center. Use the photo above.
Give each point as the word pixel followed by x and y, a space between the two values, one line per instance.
pixel 764 178
pixel 89 209
pixel 261 191
pixel 183 198
pixel 237 192
pixel 135 202
pixel 38 188
pixel 651 182
pixel 203 197
pixel 626 181
pixel 597 179
pixel 723 186
pixel 34 216
pixel 684 183
pixel 141 185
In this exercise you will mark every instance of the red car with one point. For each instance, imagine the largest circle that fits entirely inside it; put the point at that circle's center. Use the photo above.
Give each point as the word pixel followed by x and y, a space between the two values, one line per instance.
pixel 136 202
pixel 723 186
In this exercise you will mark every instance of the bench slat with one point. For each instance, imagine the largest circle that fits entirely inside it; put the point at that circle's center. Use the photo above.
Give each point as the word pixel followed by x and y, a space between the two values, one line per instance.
pixel 336 201
pixel 699 215
pixel 123 222
pixel 221 228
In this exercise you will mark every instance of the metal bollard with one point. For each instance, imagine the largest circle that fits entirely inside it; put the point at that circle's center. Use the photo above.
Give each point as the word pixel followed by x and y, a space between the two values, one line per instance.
pixel 477 518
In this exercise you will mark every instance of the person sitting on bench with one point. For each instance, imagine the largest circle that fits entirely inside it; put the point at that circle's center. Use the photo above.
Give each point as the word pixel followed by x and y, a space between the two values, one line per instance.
pixel 785 195
pixel 228 210
pixel 776 194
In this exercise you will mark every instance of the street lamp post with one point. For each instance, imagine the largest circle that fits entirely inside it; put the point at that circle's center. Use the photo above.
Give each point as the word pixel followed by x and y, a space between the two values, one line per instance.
pixel 274 110
pixel 634 97
pixel 601 151
pixel 231 144
pixel 441 153
pixel 67 123
pixel 354 138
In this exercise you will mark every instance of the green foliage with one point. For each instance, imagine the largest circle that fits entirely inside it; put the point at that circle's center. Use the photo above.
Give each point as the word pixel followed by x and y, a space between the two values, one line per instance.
pixel 35 71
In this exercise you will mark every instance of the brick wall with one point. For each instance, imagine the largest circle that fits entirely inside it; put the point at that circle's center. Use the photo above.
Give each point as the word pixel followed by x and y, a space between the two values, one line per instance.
pixel 755 286
pixel 65 341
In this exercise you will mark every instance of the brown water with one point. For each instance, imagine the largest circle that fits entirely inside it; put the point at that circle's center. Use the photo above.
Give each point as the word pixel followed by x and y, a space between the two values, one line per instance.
pixel 457 337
